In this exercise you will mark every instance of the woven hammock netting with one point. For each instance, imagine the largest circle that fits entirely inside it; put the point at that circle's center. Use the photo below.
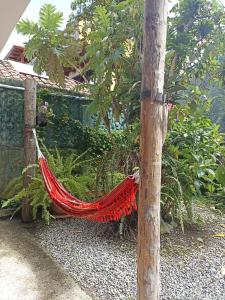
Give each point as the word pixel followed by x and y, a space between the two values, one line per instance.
pixel 121 201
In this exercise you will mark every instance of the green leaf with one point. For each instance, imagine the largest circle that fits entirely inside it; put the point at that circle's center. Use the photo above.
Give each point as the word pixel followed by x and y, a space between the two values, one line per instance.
pixel 27 27
pixel 29 167
pixel 50 18
pixel 193 107
pixel 200 173
pixel 220 175
pixel 210 187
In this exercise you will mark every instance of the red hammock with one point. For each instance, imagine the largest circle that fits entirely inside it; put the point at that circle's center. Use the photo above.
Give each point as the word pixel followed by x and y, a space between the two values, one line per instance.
pixel 111 207
pixel 121 201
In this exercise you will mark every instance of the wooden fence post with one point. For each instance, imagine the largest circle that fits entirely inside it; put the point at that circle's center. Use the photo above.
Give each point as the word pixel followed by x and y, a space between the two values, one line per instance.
pixel 29 142
pixel 152 130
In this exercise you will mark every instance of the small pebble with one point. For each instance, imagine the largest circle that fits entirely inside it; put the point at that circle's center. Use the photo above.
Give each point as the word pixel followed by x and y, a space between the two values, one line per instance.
pixel 102 266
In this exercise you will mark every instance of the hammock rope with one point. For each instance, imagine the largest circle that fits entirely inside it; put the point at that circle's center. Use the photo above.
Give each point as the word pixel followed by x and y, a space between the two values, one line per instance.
pixel 121 201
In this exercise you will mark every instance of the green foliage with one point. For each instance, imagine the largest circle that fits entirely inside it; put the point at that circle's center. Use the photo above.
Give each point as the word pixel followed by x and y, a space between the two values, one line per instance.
pixel 191 156
pixel 50 19
pixel 176 191
pixel 65 128
pixel 194 44
pixel 219 194
pixel 69 171
pixel 12 188
pixel 105 38
pixel 121 160
pixel 110 35
pixel 196 140
pixel 217 111
pixel 86 178
pixel 76 136
pixel 220 175
pixel 113 31
pixel 49 47
pixel 192 153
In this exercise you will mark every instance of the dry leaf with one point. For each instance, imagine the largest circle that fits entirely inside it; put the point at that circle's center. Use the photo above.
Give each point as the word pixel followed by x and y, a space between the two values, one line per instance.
pixel 219 234
pixel 77 231
pixel 200 240
pixel 223 271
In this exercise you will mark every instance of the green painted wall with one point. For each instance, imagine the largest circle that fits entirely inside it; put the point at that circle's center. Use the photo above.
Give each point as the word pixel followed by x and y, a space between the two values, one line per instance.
pixel 11 165
pixel 11 126
pixel 11 135
pixel 11 116
pixel 57 133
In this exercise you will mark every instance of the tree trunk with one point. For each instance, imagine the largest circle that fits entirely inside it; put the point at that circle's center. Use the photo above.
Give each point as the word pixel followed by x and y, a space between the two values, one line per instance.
pixel 153 120
pixel 29 142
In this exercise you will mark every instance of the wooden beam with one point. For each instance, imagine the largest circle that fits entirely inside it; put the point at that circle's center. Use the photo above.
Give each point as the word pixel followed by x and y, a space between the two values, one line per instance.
pixel 153 111
pixel 29 141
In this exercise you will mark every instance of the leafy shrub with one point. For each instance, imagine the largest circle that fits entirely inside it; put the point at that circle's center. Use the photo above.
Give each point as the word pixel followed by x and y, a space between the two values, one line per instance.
pixel 197 141
pixel 76 136
pixel 121 159
pixel 192 152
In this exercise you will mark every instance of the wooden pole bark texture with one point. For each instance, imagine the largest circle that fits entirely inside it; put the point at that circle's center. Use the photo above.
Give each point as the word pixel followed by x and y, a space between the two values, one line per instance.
pixel 29 142
pixel 153 112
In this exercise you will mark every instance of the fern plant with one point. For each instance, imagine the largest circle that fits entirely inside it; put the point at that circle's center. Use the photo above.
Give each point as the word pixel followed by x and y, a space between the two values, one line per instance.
pixel 71 171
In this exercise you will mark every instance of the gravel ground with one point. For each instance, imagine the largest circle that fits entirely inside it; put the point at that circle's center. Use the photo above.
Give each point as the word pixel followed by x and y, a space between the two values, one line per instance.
pixel 192 264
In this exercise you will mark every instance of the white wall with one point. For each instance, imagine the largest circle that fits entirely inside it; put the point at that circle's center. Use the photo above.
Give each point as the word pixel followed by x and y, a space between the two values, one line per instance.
pixel 10 12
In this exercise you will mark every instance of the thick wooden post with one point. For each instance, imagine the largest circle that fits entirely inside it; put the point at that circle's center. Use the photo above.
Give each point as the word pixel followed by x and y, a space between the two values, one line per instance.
pixel 153 112
pixel 29 142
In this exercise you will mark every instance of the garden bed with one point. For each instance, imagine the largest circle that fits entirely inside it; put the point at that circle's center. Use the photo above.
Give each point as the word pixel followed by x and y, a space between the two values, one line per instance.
pixel 192 264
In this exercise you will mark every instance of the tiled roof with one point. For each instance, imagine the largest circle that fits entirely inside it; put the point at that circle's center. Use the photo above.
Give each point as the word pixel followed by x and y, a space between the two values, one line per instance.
pixel 7 71
pixel 16 53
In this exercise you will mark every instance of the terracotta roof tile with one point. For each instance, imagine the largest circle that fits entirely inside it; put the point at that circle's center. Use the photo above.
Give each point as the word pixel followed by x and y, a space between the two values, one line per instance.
pixel 8 71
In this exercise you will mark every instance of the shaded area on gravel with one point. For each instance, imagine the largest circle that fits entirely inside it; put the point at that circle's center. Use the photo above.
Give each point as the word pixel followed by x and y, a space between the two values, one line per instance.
pixel 191 263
